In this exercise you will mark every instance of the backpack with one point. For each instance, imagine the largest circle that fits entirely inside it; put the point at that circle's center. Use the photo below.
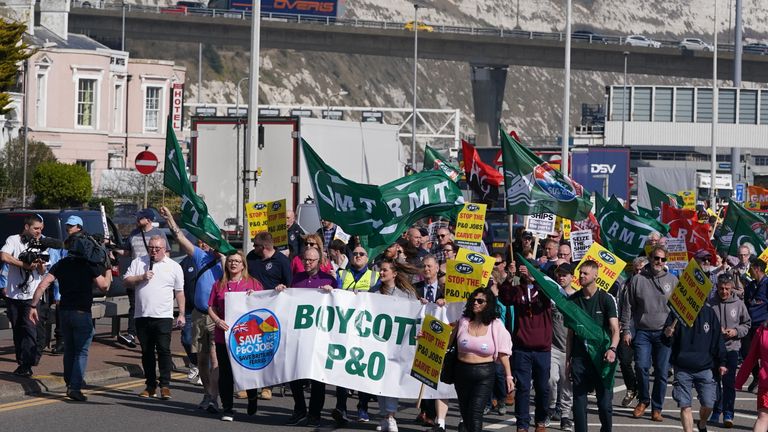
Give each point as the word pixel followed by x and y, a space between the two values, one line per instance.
pixel 91 250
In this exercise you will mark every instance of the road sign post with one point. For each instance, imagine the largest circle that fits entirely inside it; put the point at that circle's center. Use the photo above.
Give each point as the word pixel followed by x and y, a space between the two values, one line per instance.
pixel 146 163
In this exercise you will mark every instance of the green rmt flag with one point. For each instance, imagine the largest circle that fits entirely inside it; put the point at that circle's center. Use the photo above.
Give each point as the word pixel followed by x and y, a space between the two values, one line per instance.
pixel 357 208
pixel 194 212
pixel 623 232
pixel 735 215
pixel 532 186
pixel 433 160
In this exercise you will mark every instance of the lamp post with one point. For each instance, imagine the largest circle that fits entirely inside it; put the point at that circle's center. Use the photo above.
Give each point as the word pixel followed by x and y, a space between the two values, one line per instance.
pixel 241 173
pixel 713 166
pixel 122 36
pixel 26 136
pixel 624 101
pixel 566 91
pixel 253 111
pixel 416 6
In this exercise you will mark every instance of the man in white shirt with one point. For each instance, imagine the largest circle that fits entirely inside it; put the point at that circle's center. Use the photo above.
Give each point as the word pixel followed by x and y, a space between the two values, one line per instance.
pixel 157 279
pixel 23 279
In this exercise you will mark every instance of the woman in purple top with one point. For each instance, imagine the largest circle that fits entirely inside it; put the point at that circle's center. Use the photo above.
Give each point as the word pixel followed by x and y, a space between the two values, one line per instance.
pixel 235 279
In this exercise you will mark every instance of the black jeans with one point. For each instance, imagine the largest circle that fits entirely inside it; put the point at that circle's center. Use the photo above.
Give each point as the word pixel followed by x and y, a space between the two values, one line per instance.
pixel 474 384
pixel 585 378
pixel 226 380
pixel 28 338
pixel 131 293
pixel 155 336
pixel 316 397
pixel 626 356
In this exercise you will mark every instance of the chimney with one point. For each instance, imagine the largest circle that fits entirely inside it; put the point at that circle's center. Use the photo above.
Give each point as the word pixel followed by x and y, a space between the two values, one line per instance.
pixel 54 15
pixel 21 11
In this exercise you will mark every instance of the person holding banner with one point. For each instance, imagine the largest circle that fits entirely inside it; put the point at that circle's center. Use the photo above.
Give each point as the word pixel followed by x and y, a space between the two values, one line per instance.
pixel 482 341
pixel 394 280
pixel 235 279
pixel 560 389
pixel 312 241
pixel 645 310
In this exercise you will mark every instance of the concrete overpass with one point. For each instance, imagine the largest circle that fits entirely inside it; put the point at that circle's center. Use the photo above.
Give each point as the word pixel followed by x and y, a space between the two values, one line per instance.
pixel 489 55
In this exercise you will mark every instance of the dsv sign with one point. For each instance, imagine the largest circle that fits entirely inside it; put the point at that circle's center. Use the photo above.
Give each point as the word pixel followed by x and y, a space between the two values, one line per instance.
pixel 602 168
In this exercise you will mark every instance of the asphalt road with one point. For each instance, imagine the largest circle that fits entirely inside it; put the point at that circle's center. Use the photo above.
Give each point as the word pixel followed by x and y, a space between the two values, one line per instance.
pixel 116 408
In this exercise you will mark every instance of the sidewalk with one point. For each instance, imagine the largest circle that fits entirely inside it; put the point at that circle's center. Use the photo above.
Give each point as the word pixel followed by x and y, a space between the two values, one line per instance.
pixel 108 362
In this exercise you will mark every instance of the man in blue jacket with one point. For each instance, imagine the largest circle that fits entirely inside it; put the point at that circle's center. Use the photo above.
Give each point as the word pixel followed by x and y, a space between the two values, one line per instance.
pixel 696 352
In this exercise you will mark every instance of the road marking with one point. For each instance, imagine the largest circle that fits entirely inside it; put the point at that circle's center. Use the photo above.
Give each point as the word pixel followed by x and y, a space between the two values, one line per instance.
pixel 50 398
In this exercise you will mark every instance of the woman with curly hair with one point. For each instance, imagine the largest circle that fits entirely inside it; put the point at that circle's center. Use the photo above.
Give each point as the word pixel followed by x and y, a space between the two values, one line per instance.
pixel 312 241
pixel 482 341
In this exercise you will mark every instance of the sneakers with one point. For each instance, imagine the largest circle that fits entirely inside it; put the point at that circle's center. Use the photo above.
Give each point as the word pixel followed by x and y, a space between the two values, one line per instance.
pixel 383 425
pixel 502 408
pixel 391 424
pixel 297 419
pixel 253 406
pixel 714 419
pixel 628 398
pixel 228 416
pixel 213 406
pixel 728 420
pixel 193 375
pixel 58 349
pixel 486 409
pixel 340 417
pixel 566 424
pixel 23 371
pixel 127 339
pixel 204 403
pixel 148 392
pixel 266 393
pixel 548 420
pixel 76 395
pixel 362 416
pixel 165 393
pixel 313 422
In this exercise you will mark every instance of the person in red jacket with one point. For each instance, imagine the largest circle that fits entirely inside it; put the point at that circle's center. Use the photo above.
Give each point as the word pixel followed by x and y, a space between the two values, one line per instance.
pixel 532 339
pixel 757 350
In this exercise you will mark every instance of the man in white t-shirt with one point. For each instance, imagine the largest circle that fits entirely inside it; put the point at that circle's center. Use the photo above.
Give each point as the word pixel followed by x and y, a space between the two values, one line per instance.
pixel 157 279
pixel 23 279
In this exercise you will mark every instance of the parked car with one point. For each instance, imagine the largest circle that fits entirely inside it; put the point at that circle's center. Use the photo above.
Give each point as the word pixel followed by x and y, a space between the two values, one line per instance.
pixel 589 36
pixel 640 40
pixel 695 44
pixel 422 27
pixel 756 48
pixel 184 7
pixel 12 222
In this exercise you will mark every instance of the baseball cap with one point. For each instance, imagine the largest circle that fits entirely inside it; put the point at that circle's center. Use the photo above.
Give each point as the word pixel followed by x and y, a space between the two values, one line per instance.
pixel 74 220
pixel 564 268
pixel 145 213
pixel 702 253
pixel 527 234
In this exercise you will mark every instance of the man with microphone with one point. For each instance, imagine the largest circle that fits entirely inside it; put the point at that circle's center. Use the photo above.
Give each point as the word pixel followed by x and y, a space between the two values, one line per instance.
pixel 157 279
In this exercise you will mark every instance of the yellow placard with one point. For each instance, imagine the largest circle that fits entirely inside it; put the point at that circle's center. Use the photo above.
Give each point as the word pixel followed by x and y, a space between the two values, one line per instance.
pixel 689 199
pixel 692 289
pixel 470 224
pixel 430 351
pixel 610 267
pixel 487 261
pixel 469 271
pixel 268 216
pixel 566 225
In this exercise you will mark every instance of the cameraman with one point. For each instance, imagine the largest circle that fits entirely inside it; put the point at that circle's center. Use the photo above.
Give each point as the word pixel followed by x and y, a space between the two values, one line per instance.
pixel 23 279
pixel 75 275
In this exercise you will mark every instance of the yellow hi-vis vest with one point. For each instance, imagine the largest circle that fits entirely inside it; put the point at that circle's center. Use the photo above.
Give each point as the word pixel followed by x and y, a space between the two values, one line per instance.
pixel 366 281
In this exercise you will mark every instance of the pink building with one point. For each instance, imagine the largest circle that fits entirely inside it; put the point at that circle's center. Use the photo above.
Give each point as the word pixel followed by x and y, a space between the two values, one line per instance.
pixel 91 104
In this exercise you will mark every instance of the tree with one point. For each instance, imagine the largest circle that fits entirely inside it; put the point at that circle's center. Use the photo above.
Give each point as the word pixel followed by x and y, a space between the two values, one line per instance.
pixel 12 52
pixel 58 185
pixel 12 160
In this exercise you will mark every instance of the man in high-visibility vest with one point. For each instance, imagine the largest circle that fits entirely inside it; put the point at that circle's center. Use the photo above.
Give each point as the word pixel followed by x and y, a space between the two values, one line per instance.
pixel 359 278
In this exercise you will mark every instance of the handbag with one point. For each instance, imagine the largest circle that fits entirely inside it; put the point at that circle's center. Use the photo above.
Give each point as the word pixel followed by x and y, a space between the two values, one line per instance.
pixel 448 373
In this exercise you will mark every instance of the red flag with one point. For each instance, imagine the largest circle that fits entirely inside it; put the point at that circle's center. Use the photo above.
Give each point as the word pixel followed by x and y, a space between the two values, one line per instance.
pixel 685 223
pixel 588 224
pixel 481 177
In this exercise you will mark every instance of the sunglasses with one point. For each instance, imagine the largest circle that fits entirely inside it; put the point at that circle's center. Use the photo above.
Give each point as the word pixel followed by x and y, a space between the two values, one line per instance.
pixel 658 258
pixel 561 255
pixel 310 259
pixel 156 247
pixel 311 244
pixel 499 262
pixel 479 301
pixel 442 235
pixel 359 254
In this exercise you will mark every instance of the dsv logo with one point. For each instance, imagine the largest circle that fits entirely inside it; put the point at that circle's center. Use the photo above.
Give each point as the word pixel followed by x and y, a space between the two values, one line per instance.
pixel 602 168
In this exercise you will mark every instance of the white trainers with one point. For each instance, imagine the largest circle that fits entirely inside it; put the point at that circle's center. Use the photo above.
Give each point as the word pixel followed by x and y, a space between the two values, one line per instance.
pixel 391 424
pixel 204 404
pixel 383 425
pixel 193 374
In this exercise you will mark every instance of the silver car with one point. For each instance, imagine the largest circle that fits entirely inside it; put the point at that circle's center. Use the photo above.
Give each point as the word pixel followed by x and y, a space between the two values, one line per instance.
pixel 640 40
pixel 695 44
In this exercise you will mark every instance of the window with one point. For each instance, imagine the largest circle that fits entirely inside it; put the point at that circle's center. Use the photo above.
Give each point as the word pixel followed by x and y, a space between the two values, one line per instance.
pixel 684 105
pixel 662 111
pixel 764 107
pixel 152 109
pixel 621 104
pixel 87 164
pixel 41 93
pixel 704 105
pixel 117 109
pixel 726 106
pixel 642 104
pixel 748 107
pixel 86 102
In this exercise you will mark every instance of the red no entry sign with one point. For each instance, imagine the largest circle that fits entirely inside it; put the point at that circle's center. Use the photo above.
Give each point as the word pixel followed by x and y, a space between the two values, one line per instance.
pixel 146 162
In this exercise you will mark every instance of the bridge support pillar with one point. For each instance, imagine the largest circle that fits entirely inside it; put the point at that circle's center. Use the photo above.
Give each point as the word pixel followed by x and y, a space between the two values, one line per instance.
pixel 488 82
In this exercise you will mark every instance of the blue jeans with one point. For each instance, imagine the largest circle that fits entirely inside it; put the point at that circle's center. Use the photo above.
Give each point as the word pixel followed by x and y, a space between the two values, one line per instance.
pixel 527 365
pixel 726 393
pixel 77 331
pixel 647 345
pixel 186 338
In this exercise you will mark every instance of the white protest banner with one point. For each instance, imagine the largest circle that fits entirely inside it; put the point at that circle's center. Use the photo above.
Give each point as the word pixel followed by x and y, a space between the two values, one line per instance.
pixel 677 255
pixel 580 243
pixel 540 224
pixel 365 342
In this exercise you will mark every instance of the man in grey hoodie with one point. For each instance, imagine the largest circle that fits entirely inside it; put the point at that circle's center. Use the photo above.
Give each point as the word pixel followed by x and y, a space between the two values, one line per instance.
pixel 645 310
pixel 735 322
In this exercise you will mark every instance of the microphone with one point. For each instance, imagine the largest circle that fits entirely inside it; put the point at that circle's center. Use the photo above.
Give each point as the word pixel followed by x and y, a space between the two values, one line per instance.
pixel 151 262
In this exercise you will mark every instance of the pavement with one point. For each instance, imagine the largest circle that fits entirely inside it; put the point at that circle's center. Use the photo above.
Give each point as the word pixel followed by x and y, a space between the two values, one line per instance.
pixel 108 362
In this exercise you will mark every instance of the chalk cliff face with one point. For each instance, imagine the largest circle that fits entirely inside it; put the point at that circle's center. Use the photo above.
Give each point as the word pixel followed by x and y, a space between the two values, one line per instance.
pixel 533 95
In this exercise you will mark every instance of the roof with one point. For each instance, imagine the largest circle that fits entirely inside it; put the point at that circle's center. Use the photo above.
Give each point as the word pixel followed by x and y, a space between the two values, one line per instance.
pixel 74 41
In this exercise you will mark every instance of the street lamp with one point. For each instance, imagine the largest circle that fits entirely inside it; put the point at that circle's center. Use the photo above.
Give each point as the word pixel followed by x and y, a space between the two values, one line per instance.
pixel 624 99
pixel 713 166
pixel 566 92
pixel 122 37
pixel 416 5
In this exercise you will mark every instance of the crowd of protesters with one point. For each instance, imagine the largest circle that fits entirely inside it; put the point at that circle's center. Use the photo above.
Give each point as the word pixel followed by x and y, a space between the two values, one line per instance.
pixel 513 340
